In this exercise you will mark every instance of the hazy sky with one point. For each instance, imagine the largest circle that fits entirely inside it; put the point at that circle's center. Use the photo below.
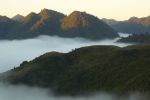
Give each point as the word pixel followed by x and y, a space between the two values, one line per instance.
pixel 117 9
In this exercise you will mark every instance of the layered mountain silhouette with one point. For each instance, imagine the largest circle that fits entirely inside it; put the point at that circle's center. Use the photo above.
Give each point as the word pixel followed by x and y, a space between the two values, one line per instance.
pixel 143 21
pixel 7 27
pixel 86 25
pixel 49 22
pixel 18 18
pixel 110 21
pixel 87 70
pixel 134 25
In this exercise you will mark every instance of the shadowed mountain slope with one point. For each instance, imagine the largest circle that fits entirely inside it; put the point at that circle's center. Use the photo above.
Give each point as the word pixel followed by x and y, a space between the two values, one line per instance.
pixel 49 22
pixel 133 25
pixel 18 18
pixel 81 24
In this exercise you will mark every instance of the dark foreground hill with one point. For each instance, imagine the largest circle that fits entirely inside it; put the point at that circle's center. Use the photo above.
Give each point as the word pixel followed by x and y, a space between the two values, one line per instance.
pixel 86 70
pixel 49 22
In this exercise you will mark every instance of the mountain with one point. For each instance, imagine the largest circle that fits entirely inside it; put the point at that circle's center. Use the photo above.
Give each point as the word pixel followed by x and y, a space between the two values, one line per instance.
pixel 49 22
pixel 110 21
pixel 143 21
pixel 87 70
pixel 7 26
pixel 24 27
pixel 81 24
pixel 30 20
pixel 18 18
pixel 133 25
pixel 136 39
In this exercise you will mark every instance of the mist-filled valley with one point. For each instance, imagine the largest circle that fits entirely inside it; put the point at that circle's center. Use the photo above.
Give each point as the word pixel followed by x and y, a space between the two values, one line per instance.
pixel 14 52
pixel 9 92
pixel 74 50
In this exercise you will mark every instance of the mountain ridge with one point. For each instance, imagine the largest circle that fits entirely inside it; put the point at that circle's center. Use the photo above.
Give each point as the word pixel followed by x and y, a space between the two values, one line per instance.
pixel 49 22
pixel 18 18
pixel 133 25
pixel 81 24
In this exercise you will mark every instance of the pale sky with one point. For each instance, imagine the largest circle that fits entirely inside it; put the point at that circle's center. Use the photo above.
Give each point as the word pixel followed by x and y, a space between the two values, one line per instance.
pixel 116 9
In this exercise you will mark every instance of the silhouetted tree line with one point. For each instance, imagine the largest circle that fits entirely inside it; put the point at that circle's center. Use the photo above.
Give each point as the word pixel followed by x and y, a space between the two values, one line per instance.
pixel 137 38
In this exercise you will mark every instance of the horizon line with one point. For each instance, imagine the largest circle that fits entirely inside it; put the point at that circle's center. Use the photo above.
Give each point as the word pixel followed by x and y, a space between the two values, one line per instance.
pixel 70 13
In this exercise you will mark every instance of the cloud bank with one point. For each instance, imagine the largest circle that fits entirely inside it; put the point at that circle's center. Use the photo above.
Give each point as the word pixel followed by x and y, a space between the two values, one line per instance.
pixel 8 92
pixel 14 52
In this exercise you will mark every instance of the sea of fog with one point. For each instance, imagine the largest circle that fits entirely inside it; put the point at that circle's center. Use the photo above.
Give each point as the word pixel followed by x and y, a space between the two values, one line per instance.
pixel 13 52
pixel 8 92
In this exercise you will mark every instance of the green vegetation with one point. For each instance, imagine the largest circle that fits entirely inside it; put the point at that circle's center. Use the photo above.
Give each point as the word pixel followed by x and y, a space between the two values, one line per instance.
pixel 86 70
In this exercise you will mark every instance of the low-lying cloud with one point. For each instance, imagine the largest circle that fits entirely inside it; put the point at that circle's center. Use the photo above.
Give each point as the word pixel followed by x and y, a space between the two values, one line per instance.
pixel 9 92
pixel 14 52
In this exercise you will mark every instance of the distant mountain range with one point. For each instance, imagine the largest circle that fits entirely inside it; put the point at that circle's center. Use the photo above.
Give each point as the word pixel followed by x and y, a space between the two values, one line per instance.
pixel 136 39
pixel 49 22
pixel 133 25
pixel 87 70
pixel 77 24
pixel 18 18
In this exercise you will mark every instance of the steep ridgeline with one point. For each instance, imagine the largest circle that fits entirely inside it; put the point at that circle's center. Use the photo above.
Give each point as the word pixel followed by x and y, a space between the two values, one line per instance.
pixel 133 25
pixel 18 18
pixel 81 24
pixel 87 70
pixel 110 21
pixel 7 27
pixel 49 22
pixel 143 21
